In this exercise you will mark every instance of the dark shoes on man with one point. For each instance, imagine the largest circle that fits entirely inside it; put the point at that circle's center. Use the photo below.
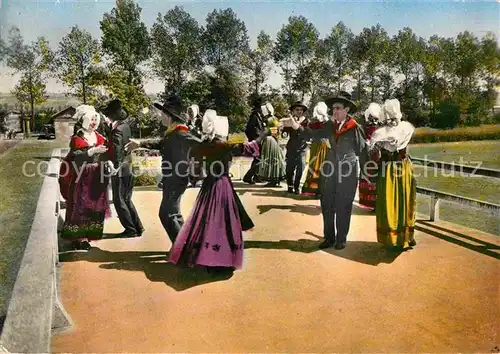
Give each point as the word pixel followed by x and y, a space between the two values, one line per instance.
pixel 131 234
pixel 327 243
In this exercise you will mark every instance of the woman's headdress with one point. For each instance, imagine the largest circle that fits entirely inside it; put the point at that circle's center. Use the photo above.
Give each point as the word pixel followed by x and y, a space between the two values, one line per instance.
pixel 214 125
pixel 375 111
pixel 320 112
pixel 84 113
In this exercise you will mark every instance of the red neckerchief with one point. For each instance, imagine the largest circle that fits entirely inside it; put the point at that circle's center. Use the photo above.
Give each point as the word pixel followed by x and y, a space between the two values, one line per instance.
pixel 316 125
pixel 348 125
pixel 178 127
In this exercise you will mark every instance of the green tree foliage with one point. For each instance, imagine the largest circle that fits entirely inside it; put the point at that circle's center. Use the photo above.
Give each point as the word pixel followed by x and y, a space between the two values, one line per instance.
pixel 77 59
pixel 258 62
pixel 176 47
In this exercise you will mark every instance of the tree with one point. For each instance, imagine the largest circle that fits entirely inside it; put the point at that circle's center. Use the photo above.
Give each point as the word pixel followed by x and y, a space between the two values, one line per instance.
pixel 334 59
pixel 257 61
pixel 77 58
pixel 295 47
pixel 31 61
pixel 126 40
pixel 176 46
pixel 225 39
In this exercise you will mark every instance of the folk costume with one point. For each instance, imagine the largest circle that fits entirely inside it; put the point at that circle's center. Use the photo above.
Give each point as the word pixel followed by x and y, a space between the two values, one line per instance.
pixel 396 186
pixel 176 148
pixel 317 153
pixel 194 124
pixel 122 182
pixel 367 186
pixel 84 183
pixel 212 236
pixel 296 149
pixel 272 159
pixel 340 173
pixel 256 124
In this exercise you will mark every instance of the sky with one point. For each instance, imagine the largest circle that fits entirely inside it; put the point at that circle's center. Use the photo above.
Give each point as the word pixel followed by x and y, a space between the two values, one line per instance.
pixel 54 18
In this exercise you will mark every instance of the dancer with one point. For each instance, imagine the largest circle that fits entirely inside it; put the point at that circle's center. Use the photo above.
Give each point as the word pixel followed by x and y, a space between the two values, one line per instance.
pixel 272 159
pixel 213 236
pixel 175 147
pixel 122 182
pixel 396 185
pixel 296 149
pixel 84 183
pixel 196 173
pixel 339 174
pixel 256 124
pixel 367 186
pixel 318 152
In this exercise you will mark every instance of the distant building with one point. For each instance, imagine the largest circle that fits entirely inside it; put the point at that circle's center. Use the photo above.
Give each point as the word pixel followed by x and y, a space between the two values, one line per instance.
pixel 64 124
pixel 13 122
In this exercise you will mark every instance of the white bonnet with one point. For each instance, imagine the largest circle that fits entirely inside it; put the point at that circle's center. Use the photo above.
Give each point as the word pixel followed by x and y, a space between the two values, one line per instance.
pixel 321 111
pixel 375 110
pixel 267 109
pixel 213 125
pixel 195 109
pixel 84 113
pixel 392 109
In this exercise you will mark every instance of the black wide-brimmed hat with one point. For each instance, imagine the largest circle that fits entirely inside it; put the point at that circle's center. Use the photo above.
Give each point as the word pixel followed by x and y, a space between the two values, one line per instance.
pixel 114 108
pixel 258 101
pixel 173 107
pixel 342 97
pixel 299 104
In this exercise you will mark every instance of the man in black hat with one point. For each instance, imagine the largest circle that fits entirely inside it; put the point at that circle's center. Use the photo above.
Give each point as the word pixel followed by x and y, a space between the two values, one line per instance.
pixel 176 162
pixel 122 182
pixel 339 172
pixel 256 124
pixel 296 148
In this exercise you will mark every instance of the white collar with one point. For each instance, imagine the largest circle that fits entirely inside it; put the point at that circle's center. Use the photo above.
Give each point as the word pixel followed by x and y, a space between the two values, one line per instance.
pixel 115 124
pixel 393 138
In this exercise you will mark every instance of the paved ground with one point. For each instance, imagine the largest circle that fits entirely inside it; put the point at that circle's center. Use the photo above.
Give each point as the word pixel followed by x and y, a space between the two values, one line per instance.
pixel 290 297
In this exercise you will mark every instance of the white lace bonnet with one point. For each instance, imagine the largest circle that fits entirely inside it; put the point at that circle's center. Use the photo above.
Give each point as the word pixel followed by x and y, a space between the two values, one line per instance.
pixel 85 113
pixel 320 112
pixel 214 125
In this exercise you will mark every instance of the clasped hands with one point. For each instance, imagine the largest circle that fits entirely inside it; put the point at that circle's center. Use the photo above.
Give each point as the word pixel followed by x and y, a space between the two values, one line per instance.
pixel 290 123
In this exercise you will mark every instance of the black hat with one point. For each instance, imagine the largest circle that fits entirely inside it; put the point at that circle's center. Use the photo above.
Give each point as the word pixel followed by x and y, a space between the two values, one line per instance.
pixel 173 107
pixel 114 109
pixel 298 104
pixel 342 97
pixel 258 101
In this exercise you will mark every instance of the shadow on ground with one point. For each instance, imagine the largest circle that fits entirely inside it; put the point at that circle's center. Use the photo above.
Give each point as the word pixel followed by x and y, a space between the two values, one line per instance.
pixel 153 264
pixel 459 239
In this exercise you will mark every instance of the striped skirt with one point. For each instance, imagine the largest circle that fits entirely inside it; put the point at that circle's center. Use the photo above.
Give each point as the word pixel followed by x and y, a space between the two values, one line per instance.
pixel 317 156
pixel 396 203
pixel 272 161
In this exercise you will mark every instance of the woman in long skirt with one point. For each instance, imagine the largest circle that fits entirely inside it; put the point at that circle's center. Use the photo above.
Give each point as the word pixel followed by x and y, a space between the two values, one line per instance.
pixel 396 186
pixel 84 182
pixel 272 158
pixel 213 234
pixel 317 153
pixel 367 187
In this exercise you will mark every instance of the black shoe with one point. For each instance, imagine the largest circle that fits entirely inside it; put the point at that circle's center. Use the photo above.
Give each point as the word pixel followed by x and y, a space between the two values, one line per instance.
pixel 412 243
pixel 290 189
pixel 340 245
pixel 85 245
pixel 128 234
pixel 327 244
pixel 140 232
pixel 248 180
pixel 296 192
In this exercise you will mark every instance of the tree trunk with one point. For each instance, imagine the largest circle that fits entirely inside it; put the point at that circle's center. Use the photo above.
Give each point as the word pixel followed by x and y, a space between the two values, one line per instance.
pixel 84 88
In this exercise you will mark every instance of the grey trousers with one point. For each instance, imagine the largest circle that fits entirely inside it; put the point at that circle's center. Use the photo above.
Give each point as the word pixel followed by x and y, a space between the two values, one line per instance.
pixel 170 210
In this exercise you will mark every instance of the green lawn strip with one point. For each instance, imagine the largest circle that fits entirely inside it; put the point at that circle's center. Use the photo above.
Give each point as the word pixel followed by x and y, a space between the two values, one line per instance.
pixel 18 199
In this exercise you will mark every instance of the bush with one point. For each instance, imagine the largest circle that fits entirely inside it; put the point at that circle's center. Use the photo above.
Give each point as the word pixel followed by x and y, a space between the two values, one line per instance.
pixel 483 132
pixel 446 116
pixel 145 179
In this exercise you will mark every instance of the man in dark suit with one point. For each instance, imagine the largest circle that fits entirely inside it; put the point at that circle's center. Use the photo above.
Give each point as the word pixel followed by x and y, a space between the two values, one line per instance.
pixel 176 162
pixel 122 182
pixel 256 124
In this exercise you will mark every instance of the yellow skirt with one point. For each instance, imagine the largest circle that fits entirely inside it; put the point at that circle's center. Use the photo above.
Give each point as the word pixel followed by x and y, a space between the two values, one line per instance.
pixel 396 203
pixel 317 156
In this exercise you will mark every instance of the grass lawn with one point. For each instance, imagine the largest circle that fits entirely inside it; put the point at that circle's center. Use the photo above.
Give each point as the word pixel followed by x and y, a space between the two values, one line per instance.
pixel 18 200
pixel 482 188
